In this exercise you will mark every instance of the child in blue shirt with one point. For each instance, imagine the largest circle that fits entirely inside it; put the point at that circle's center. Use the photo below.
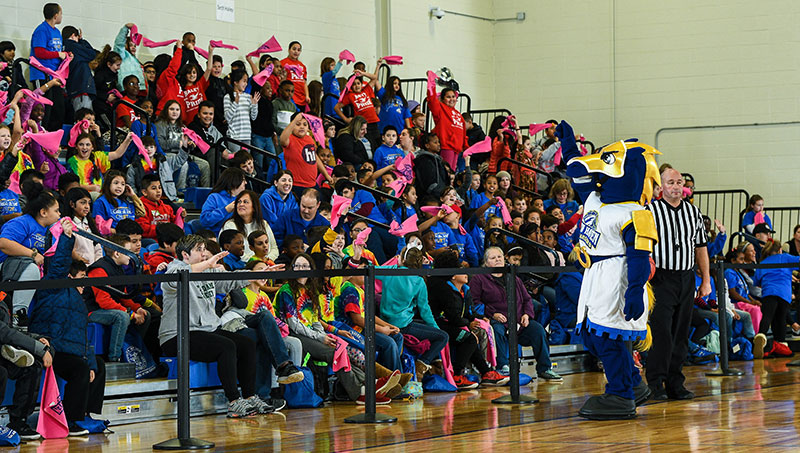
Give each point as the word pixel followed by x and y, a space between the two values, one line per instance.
pixel 232 241
pixel 776 296
pixel 387 153
pixel 118 201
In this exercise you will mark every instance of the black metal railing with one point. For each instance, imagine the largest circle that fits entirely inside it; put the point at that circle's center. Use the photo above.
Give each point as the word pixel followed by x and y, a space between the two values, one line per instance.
pixel 528 167
pixel 143 115
pixel 221 145
pixel 484 117
pixel 725 205
pixel 784 221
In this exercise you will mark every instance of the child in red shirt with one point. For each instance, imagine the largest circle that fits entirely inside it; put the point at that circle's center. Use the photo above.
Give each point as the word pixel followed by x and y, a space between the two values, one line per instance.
pixel 300 151
pixel 125 114
pixel 184 85
pixel 449 125
pixel 156 211
pixel 297 76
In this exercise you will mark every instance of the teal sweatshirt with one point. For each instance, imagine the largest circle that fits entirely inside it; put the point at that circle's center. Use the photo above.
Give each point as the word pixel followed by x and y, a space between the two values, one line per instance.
pixel 401 295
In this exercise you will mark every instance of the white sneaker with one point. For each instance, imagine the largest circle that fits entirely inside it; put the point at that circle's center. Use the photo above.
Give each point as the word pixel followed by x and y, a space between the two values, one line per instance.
pixel 18 357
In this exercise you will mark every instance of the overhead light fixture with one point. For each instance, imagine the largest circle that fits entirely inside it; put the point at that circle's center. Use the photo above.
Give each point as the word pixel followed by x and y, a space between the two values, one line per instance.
pixel 438 13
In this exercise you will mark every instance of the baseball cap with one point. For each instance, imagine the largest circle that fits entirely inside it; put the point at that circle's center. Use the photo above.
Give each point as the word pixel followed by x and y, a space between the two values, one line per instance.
pixel 763 228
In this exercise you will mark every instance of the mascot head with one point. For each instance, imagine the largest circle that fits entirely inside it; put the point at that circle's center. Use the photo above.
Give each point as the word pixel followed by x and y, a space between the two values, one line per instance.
pixel 623 171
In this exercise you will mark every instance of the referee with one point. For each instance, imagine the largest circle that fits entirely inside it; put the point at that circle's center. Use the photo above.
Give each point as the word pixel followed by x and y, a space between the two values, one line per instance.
pixel 681 244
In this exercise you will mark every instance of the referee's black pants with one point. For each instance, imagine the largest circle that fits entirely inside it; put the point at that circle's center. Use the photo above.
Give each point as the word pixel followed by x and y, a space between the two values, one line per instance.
pixel 670 323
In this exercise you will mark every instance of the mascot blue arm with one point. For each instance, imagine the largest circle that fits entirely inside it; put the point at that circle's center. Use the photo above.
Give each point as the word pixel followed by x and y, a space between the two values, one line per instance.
pixel 638 273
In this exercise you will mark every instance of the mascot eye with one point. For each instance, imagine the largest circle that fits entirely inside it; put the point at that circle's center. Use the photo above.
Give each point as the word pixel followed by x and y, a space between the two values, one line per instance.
pixel 608 158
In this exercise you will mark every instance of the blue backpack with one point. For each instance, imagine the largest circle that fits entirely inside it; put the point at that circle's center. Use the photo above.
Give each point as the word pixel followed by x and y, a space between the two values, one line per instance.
pixel 94 426
pixel 301 394
pixel 741 349
pixel 8 437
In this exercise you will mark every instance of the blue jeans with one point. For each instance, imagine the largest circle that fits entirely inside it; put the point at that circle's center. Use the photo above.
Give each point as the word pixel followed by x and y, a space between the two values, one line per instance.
pixel 436 336
pixel 533 335
pixel 119 322
pixel 389 347
pixel 266 168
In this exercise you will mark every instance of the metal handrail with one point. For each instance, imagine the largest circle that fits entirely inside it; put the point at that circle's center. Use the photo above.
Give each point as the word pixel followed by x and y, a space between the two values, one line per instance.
pixel 529 167
pixel 15 81
pixel 522 239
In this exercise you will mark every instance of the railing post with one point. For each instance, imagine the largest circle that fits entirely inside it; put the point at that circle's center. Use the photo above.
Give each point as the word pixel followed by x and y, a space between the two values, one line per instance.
pixel 722 317
pixel 184 441
pixel 513 347
pixel 369 415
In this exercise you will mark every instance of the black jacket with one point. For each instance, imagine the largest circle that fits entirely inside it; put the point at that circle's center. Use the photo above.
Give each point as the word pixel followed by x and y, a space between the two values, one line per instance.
pixel 449 307
pixel 80 79
pixel 347 148
pixel 430 174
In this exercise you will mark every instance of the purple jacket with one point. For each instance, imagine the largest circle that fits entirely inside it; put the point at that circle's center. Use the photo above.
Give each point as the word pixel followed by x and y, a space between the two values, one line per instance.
pixel 485 289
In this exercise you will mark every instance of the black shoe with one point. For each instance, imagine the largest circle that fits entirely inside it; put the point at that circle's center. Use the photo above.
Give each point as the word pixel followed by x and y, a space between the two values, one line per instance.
pixel 608 407
pixel 657 393
pixel 25 432
pixel 75 430
pixel 641 393
pixel 276 403
pixel 680 393
pixel 289 374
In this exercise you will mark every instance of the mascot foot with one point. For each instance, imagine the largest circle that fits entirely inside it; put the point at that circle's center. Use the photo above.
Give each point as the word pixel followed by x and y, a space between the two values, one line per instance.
pixel 608 407
pixel 641 393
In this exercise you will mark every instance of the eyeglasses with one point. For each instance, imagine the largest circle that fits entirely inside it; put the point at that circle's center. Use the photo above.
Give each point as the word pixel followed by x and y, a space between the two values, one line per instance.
pixel 358 230
pixel 301 267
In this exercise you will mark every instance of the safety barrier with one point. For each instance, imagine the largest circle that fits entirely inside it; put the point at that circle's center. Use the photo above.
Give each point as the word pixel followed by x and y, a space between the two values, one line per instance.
pixel 484 118
pixel 784 219
pixel 528 167
pixel 113 126
pixel 725 205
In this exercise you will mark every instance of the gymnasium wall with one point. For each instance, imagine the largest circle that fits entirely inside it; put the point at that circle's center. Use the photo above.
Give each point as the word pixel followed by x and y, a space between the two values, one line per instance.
pixel 625 68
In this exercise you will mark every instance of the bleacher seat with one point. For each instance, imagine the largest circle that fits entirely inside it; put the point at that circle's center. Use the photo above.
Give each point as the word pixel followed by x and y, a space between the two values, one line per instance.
pixel 192 226
pixel 11 385
pixel 201 374
pixel 98 335
pixel 196 195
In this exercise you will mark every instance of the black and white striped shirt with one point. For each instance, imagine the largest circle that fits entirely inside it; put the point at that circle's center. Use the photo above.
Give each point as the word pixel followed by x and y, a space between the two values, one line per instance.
pixel 680 231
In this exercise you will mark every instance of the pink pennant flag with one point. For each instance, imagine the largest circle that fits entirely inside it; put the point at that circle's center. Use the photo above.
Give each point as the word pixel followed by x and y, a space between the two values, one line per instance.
pixel 393 59
pixel 153 44
pixel 134 34
pixel 47 140
pixel 222 45
pixel 483 146
pixel 408 226
pixel 52 422
pixel 61 73
pixel 36 97
pixel 341 205
pixel 316 128
pixel 268 47
pixel 103 225
pixel 362 237
pixel 202 52
pixel 201 144
pixel 56 230
pixel 434 210
pixel 398 185
pixel 431 83
pixel 504 211
pixel 3 95
pixel 179 217
pixel 261 77
pixel 404 167
pixel 347 56
pixel 142 150
pixel 79 128
pixel 347 87
pixel 535 128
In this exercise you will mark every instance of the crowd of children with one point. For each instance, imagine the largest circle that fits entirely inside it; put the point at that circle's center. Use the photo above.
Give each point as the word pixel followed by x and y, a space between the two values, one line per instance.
pixel 346 184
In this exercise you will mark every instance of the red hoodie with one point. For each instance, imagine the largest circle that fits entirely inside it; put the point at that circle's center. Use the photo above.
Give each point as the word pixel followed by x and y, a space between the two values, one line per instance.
pixel 449 125
pixel 155 213
pixel 169 88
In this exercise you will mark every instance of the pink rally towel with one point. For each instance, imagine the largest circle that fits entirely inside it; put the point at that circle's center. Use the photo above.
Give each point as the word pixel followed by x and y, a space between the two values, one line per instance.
pixel 340 358
pixel 491 349
pixel 153 44
pixel 52 420
pixel 447 365
pixel 347 56
pixel 179 217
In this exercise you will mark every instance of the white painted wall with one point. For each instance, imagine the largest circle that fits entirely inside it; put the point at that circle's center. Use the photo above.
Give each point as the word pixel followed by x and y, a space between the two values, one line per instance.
pixel 625 68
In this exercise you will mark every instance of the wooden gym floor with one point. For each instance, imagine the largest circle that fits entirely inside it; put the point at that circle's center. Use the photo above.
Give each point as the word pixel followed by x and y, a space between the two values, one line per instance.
pixel 755 412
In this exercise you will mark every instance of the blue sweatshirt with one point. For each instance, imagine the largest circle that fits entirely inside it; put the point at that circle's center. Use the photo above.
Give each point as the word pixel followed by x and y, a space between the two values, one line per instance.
pixel 402 296
pixel 272 205
pixel 568 209
pixel 9 202
pixel 385 156
pixel 290 222
pixel 104 209
pixel 776 282
pixel 466 248
pixel 24 230
pixel 214 214
pixel 479 200
pixel 443 235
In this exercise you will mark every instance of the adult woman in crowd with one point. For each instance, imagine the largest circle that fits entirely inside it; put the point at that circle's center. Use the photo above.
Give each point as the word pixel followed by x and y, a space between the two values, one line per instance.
pixel 247 218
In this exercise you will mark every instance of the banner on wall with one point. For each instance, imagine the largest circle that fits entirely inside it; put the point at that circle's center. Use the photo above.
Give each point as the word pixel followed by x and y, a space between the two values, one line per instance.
pixel 226 11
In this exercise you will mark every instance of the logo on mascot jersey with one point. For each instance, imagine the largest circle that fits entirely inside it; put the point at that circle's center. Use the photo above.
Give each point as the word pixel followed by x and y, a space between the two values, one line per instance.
pixel 589 235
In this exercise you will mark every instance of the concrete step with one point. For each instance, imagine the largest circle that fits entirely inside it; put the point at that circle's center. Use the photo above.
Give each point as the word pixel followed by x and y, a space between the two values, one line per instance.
pixel 566 359
pixel 119 371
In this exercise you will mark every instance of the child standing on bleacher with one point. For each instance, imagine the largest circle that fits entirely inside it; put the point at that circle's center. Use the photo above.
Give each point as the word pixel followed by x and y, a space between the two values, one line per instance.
pixel 60 316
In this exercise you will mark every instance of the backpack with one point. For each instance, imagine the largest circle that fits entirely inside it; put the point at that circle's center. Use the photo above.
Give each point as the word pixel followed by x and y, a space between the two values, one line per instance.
pixel 741 349
pixel 135 352
pixel 94 426
pixel 193 173
pixel 436 383
pixel 8 437
pixel 301 394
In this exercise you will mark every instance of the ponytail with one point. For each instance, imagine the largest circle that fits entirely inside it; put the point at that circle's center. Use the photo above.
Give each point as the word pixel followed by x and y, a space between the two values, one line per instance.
pixel 38 198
